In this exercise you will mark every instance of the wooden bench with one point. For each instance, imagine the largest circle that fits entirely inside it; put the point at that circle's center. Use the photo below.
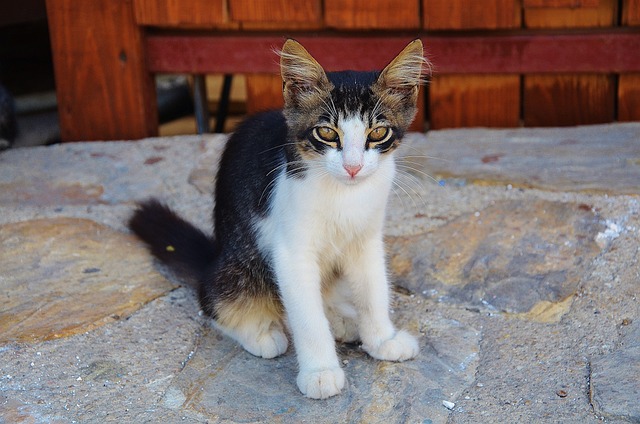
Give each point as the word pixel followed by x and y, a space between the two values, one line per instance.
pixel 506 63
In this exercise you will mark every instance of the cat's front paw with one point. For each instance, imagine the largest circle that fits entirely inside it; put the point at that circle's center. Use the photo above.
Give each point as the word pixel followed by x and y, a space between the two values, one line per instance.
pixel 400 347
pixel 321 384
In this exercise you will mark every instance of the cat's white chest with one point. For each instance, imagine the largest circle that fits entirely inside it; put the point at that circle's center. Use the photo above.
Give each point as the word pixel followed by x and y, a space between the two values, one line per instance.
pixel 325 218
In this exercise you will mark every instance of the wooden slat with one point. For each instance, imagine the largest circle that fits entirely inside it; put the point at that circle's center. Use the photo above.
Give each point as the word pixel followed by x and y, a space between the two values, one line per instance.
pixel 183 13
pixel 264 92
pixel 275 11
pixel 474 100
pixel 560 100
pixel 372 14
pixel 595 53
pixel 629 97
pixel 470 14
pixel 103 88
pixel 583 15
pixel 560 3
pixel 631 12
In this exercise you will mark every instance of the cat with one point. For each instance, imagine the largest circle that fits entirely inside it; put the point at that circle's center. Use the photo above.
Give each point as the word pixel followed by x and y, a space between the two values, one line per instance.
pixel 300 201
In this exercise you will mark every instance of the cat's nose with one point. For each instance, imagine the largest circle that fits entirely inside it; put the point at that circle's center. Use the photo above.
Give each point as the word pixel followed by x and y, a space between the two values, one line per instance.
pixel 352 170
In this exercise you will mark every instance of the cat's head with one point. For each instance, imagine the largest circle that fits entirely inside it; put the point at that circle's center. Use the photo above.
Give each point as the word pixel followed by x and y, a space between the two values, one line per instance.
pixel 348 121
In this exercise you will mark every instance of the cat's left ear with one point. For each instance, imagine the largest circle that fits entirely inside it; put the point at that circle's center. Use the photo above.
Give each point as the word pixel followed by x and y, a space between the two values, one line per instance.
pixel 404 74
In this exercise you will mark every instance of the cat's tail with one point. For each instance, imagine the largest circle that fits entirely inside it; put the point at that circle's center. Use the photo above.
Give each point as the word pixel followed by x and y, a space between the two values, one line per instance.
pixel 177 243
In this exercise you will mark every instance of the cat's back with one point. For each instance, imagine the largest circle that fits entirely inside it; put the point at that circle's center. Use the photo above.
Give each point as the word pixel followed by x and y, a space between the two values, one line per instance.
pixel 257 139
pixel 249 164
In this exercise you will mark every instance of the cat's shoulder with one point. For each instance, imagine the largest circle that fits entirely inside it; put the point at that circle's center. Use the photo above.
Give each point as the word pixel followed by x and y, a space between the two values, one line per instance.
pixel 269 121
pixel 257 141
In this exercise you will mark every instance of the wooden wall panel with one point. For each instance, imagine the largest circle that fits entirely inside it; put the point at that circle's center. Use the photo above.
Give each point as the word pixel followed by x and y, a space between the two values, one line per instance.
pixel 561 3
pixel 631 12
pixel 471 14
pixel 474 101
pixel 111 95
pixel 629 97
pixel 551 100
pixel 275 10
pixel 182 13
pixel 264 92
pixel 372 14
pixel 586 15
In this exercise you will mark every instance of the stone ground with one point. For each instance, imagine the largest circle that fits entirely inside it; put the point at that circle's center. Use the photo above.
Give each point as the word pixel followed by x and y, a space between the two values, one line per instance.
pixel 514 255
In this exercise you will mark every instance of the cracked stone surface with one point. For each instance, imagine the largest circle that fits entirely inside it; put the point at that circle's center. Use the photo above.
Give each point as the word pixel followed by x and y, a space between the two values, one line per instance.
pixel 518 272
pixel 513 256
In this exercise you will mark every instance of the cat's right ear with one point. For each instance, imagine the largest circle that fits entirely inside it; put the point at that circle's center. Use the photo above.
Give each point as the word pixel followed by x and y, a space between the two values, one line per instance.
pixel 303 78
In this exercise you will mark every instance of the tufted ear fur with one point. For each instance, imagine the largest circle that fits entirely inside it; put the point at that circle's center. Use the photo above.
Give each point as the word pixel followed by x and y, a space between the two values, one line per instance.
pixel 402 77
pixel 303 78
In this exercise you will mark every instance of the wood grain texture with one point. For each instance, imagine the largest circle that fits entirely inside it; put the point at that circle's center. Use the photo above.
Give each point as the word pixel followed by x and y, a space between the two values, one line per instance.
pixel 104 91
pixel 560 3
pixel 630 12
pixel 182 13
pixel 471 14
pixel 596 53
pixel 264 92
pixel 629 97
pixel 275 11
pixel 584 15
pixel 372 14
pixel 562 100
pixel 474 101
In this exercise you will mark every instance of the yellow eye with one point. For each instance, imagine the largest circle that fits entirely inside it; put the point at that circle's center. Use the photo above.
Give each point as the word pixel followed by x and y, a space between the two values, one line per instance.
pixel 378 134
pixel 326 133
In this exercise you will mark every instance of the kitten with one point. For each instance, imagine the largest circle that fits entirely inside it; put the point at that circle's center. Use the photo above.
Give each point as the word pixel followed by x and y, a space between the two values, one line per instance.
pixel 299 208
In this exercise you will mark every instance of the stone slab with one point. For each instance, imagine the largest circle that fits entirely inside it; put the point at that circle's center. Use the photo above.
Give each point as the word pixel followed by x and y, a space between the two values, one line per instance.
pixel 513 256
pixel 615 378
pixel 221 376
pixel 149 367
pixel 65 276
pixel 596 158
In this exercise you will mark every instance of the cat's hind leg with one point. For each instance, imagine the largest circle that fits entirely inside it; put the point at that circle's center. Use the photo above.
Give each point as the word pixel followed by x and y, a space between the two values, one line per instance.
pixel 255 323
pixel 341 312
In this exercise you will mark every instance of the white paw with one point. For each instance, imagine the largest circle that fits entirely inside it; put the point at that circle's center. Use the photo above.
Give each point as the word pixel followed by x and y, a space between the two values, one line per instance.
pixel 400 347
pixel 268 344
pixel 321 384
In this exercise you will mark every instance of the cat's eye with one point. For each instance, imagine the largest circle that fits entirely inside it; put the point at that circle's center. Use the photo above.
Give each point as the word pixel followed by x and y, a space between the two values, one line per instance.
pixel 378 134
pixel 326 134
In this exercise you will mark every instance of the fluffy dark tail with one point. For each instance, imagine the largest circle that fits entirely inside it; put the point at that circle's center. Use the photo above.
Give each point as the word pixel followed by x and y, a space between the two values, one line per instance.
pixel 174 241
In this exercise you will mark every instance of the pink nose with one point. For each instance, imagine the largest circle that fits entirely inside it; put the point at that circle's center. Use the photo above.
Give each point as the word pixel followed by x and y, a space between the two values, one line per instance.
pixel 352 170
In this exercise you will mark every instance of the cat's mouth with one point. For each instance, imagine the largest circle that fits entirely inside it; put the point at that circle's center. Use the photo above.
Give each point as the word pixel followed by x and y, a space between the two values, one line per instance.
pixel 352 179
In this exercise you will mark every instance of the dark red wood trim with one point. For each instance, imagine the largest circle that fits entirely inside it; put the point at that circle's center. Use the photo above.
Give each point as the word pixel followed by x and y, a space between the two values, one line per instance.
pixel 615 52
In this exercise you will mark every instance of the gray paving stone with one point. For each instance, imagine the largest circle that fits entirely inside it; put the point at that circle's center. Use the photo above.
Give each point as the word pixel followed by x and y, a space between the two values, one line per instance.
pixel 539 350
pixel 615 379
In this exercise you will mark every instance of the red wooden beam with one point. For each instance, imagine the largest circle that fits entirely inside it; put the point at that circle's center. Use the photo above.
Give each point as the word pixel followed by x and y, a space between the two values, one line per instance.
pixel 611 52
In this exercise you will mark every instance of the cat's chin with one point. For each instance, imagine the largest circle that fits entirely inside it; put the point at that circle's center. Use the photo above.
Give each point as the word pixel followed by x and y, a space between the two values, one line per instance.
pixel 351 181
